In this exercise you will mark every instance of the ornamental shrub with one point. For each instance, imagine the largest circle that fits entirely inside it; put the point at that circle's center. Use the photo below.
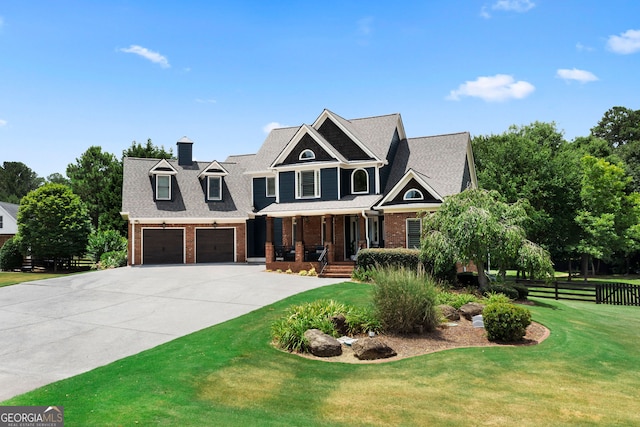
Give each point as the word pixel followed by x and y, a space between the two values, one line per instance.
pixel 501 288
pixel 101 242
pixel 10 256
pixel 523 291
pixel 288 332
pixel 113 259
pixel 404 300
pixel 506 322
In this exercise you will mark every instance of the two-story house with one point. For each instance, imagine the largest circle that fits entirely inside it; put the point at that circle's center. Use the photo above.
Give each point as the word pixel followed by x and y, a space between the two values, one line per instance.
pixel 325 189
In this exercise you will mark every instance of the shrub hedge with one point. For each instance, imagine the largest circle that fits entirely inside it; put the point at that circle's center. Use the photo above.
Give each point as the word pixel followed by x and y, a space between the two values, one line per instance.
pixel 10 256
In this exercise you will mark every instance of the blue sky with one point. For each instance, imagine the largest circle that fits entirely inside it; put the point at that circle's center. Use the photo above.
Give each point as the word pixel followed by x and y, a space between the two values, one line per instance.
pixel 80 73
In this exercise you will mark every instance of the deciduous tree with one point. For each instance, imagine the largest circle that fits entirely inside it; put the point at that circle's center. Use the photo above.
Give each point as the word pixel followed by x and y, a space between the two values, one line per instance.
pixel 97 178
pixel 53 223
pixel 475 223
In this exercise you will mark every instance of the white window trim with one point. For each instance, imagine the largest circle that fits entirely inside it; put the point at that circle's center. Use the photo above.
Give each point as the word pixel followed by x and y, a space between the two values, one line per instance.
pixel 353 174
pixel 266 186
pixel 405 197
pixel 303 157
pixel 316 181
pixel 158 176
pixel 209 178
pixel 407 231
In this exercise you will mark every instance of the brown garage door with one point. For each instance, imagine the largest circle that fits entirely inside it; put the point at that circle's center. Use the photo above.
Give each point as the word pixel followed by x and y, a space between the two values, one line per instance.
pixel 163 246
pixel 214 245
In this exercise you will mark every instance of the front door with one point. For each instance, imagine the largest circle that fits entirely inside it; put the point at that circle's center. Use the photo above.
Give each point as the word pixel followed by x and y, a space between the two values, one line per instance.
pixel 351 236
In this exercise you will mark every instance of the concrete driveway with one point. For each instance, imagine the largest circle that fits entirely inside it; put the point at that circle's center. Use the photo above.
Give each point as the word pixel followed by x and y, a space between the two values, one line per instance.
pixel 54 329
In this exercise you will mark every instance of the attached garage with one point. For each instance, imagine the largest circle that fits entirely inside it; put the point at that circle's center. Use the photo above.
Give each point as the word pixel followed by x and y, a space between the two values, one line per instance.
pixel 163 246
pixel 215 245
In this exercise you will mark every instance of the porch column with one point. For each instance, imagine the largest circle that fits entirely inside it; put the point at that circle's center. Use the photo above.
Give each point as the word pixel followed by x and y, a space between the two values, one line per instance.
pixel 269 250
pixel 328 233
pixel 299 240
pixel 362 243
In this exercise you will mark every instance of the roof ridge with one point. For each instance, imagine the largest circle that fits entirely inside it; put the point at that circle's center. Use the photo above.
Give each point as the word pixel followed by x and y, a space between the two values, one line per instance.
pixel 436 136
pixel 374 117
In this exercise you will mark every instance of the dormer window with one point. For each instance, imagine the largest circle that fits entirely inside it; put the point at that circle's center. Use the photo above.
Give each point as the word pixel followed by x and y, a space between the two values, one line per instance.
pixel 163 187
pixel 214 188
pixel 413 194
pixel 359 182
pixel 214 174
pixel 307 155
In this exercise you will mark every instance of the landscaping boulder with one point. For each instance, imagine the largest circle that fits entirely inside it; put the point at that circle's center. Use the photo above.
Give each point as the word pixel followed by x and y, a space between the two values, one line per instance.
pixel 340 323
pixel 448 312
pixel 372 349
pixel 321 344
pixel 471 309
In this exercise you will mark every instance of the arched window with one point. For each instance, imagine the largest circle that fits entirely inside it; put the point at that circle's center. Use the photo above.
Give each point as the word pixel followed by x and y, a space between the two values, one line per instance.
pixel 413 194
pixel 307 155
pixel 359 181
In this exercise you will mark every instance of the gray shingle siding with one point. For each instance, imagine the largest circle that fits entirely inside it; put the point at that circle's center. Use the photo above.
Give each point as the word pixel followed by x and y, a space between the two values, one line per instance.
pixel 345 145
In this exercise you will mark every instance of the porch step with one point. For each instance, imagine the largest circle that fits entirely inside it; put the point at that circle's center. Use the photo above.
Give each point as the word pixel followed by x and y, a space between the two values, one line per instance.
pixel 338 270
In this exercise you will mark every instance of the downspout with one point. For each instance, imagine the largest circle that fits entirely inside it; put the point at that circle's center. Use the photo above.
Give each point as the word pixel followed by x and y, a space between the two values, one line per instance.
pixel 366 227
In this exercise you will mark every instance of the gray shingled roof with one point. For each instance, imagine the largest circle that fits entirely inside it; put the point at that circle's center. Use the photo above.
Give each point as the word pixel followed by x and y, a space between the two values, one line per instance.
pixel 375 132
pixel 353 204
pixel 274 144
pixel 11 209
pixel 189 197
pixel 439 160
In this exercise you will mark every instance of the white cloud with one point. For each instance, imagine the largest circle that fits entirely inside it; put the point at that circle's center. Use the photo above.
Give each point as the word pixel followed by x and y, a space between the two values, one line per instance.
pixel 484 13
pixel 514 5
pixel 625 43
pixel 500 87
pixel 152 56
pixel 271 126
pixel 581 76
pixel 582 48
pixel 3 123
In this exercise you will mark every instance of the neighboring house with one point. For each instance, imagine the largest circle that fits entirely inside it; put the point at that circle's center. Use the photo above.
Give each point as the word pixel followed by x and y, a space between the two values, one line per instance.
pixel 8 221
pixel 335 185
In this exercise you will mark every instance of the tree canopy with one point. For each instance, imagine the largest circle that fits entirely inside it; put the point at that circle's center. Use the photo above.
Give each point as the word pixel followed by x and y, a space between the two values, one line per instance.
pixel 476 224
pixel 149 150
pixel 97 178
pixel 16 180
pixel 53 223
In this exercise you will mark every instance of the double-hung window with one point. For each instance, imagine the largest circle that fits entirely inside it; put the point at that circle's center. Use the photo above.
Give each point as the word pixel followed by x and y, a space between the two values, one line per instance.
pixel 163 187
pixel 308 184
pixel 271 187
pixel 214 188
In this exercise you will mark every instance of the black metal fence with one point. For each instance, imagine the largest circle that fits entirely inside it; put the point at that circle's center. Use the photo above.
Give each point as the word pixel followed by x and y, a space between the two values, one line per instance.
pixel 600 293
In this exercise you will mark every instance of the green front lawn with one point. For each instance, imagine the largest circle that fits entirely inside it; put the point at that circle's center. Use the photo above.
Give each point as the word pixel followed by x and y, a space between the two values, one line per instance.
pixel 11 278
pixel 586 373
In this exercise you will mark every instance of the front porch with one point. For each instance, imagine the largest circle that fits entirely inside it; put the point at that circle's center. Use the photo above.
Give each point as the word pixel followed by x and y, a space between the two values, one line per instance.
pixel 320 241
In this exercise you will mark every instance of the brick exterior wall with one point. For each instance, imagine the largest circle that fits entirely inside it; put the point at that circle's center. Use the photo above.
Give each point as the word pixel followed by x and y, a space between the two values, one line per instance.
pixel 395 229
pixel 190 240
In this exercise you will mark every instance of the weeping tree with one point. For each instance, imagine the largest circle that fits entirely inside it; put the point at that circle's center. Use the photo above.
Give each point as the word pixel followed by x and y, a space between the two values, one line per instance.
pixel 475 224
